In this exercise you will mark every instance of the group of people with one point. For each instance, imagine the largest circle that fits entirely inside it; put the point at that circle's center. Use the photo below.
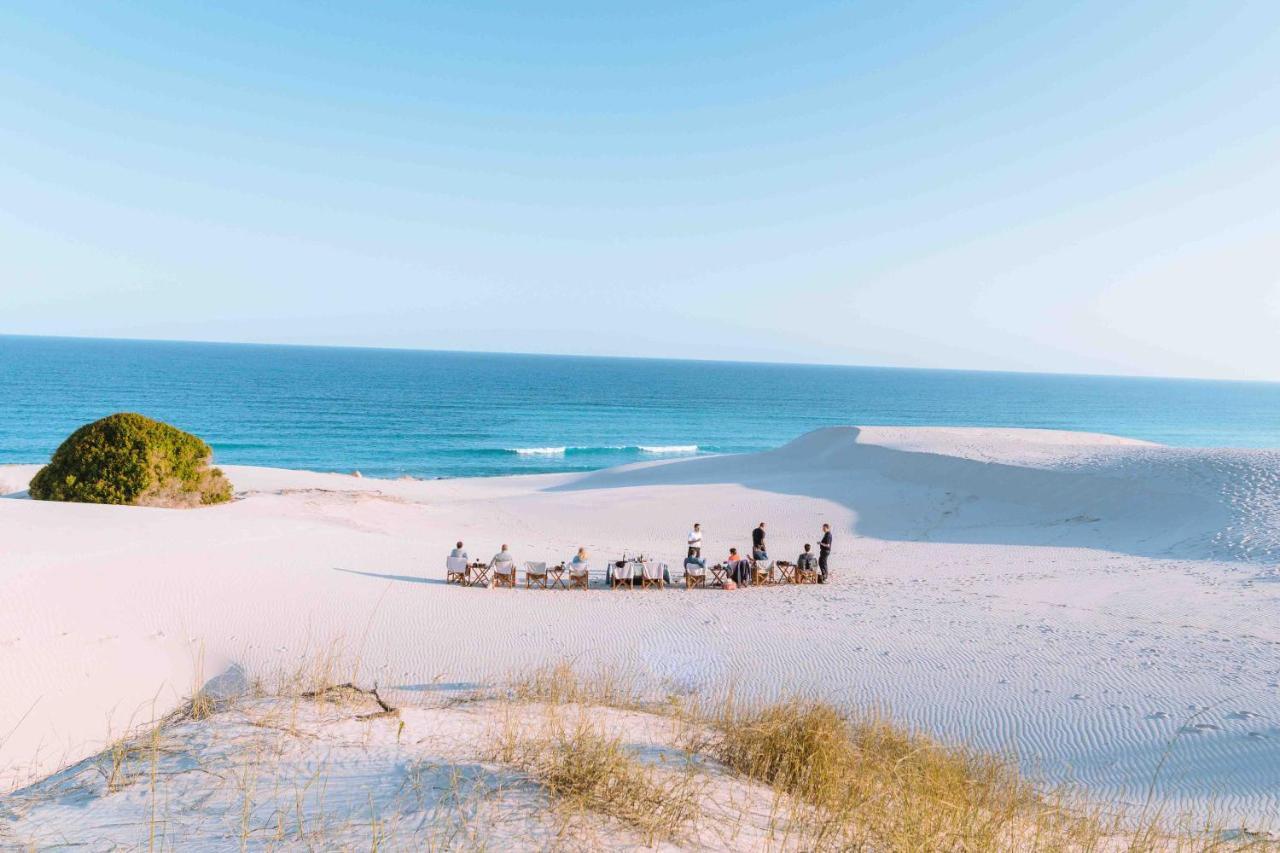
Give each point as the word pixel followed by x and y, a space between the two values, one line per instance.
pixel 740 569
pixel 759 551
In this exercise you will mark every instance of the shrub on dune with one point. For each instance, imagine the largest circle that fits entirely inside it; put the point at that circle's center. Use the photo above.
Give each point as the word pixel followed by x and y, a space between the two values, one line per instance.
pixel 128 458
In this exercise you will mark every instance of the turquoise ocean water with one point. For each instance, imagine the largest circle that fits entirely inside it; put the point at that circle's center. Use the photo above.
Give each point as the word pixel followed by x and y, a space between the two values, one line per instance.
pixel 434 414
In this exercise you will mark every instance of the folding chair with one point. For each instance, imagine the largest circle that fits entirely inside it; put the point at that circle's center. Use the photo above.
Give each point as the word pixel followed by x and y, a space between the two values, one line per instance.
pixel 652 573
pixel 807 573
pixel 761 573
pixel 504 574
pixel 694 575
pixel 623 574
pixel 535 574
pixel 456 570
pixel 579 575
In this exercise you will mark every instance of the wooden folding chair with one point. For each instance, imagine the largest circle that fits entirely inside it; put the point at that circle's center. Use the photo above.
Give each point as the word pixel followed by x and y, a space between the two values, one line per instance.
pixel 535 574
pixel 504 574
pixel 761 573
pixel 579 575
pixel 694 575
pixel 456 570
pixel 623 574
pixel 653 573
pixel 807 573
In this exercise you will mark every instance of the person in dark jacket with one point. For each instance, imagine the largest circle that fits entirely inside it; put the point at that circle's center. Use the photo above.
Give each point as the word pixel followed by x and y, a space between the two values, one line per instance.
pixel 824 551
pixel 758 551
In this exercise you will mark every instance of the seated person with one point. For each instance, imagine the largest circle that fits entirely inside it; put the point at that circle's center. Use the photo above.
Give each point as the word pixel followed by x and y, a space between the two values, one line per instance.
pixel 691 560
pixel 578 565
pixel 739 569
pixel 503 556
pixel 459 551
pixel 806 561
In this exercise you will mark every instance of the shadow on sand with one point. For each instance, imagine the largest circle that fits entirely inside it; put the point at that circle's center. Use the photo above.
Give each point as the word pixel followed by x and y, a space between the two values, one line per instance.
pixel 380 576
pixel 905 495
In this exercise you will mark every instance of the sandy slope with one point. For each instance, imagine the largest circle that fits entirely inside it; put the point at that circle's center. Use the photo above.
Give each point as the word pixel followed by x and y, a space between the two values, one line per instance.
pixel 1082 599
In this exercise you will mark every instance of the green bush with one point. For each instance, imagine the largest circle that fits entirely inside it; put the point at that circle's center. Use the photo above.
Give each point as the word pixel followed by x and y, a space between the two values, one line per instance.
pixel 131 459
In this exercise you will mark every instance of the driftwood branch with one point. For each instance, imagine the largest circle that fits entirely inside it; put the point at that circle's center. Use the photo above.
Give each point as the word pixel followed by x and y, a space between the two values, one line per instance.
pixel 387 710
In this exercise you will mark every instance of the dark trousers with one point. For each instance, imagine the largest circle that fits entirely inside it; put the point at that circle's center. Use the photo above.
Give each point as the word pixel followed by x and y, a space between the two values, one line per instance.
pixel 695 551
pixel 822 564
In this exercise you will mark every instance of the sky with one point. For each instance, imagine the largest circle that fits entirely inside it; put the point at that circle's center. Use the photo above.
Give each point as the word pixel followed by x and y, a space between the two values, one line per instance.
pixel 1089 187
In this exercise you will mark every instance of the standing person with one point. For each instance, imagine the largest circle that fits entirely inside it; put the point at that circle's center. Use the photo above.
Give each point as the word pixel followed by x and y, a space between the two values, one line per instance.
pixel 824 551
pixel 695 541
pixel 758 551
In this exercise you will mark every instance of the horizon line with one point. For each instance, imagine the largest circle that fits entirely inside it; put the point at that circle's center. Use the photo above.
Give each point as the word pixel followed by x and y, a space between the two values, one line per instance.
pixel 837 365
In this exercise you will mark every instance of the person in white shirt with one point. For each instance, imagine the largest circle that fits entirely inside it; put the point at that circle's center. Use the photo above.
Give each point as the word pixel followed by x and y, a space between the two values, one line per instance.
pixel 695 541
pixel 503 556
pixel 458 552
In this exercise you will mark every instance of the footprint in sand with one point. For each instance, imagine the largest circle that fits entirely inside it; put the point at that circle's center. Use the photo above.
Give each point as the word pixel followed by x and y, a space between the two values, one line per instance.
pixel 1157 715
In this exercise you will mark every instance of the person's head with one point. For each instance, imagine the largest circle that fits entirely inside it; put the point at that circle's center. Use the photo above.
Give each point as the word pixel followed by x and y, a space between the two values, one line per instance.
pixel 459 543
pixel 697 526
pixel 582 552
pixel 762 525
pixel 733 552
pixel 826 528
pixel 504 546
pixel 806 547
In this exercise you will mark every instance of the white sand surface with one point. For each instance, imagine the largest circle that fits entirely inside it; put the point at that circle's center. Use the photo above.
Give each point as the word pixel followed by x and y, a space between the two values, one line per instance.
pixel 1104 607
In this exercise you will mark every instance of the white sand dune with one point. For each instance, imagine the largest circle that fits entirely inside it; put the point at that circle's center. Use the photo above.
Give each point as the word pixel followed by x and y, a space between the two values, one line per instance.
pixel 1090 602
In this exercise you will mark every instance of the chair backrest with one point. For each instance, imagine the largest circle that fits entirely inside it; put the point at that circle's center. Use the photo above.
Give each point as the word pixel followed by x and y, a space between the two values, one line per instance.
pixel 626 571
pixel 535 568
pixel 504 567
pixel 653 570
pixel 455 564
pixel 579 569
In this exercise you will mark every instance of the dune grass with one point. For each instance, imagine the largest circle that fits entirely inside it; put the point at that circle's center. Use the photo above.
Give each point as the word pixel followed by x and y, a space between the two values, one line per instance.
pixel 865 782
pixel 586 771
pixel 827 779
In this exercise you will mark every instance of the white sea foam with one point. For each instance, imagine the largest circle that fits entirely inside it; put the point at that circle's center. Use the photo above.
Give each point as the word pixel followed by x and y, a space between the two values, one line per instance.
pixel 656 449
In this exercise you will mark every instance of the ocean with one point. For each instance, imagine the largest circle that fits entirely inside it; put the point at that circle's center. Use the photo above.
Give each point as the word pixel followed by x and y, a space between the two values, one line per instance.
pixel 390 413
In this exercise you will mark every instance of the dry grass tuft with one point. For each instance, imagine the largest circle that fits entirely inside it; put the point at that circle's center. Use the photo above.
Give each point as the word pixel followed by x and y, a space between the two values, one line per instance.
pixel 563 685
pixel 587 772
pixel 870 784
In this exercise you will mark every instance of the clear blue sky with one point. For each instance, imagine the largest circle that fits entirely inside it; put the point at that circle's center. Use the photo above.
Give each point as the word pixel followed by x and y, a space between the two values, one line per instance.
pixel 1085 187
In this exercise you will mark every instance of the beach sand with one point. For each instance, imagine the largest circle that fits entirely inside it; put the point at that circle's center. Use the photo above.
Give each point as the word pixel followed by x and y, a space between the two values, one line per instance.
pixel 1103 607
